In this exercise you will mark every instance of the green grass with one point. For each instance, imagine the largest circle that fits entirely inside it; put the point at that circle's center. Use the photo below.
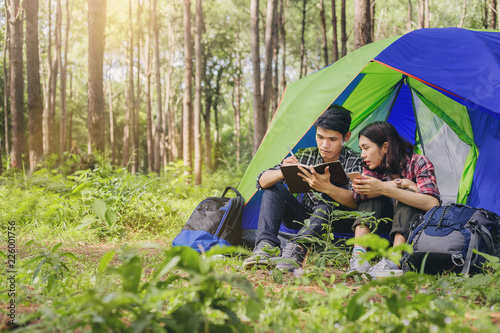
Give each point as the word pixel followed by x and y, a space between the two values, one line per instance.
pixel 97 278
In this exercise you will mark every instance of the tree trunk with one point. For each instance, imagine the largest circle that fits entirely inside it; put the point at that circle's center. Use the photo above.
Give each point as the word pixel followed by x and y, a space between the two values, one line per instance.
pixel 96 26
pixel 63 129
pixel 197 97
pixel 6 90
pixel 493 17
pixel 111 123
pixel 217 150
pixel 372 18
pixel 302 39
pixel 16 83
pixel 135 124
pixel 207 114
pixel 35 104
pixel 47 88
pixel 343 28
pixel 149 117
pixel 268 61
pixel 323 31
pixel 236 98
pixel 408 26
pixel 421 13
pixel 260 120
pixel 362 23
pixel 426 14
pixel 159 110
pixel 207 123
pixel 128 130
pixel 276 50
pixel 188 73
pixel 283 48
pixel 335 51
pixel 70 113
pixel 53 80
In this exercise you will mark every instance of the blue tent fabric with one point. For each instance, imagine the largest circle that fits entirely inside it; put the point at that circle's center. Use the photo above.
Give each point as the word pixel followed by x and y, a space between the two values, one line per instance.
pixel 485 189
pixel 460 61
pixel 402 116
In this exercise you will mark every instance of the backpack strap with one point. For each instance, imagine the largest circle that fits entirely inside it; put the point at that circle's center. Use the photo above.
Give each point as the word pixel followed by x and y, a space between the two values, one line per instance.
pixel 231 188
pixel 486 235
pixel 480 231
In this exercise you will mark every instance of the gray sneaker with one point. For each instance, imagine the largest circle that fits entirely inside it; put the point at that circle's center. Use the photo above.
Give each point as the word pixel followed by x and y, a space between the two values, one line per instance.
pixel 262 254
pixel 355 266
pixel 292 258
pixel 382 265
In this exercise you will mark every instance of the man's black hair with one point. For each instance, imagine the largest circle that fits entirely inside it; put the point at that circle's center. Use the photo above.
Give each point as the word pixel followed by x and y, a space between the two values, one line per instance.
pixel 335 118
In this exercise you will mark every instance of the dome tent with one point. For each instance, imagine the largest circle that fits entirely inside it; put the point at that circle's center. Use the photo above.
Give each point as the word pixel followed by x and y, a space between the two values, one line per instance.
pixel 439 87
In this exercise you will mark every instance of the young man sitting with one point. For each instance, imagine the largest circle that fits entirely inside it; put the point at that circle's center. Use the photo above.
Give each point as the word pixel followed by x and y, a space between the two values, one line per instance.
pixel 280 206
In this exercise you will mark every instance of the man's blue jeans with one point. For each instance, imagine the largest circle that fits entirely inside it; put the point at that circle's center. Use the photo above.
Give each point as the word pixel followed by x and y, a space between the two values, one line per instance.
pixel 280 206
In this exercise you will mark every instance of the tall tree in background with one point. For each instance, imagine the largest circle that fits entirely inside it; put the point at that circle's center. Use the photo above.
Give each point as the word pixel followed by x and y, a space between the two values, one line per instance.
pixel 197 97
pixel 111 122
pixel 323 31
pixel 236 98
pixel 276 50
pixel 129 92
pixel 16 82
pixel 54 72
pixel 343 29
pixel 6 85
pixel 96 26
pixel 159 110
pixel 63 124
pixel 362 23
pixel 270 35
pixel 282 22
pixel 423 13
pixel 258 106
pixel 35 104
pixel 493 14
pixel 47 84
pixel 208 110
pixel 147 72
pixel 302 38
pixel 410 13
pixel 135 124
pixel 170 129
pixel 261 97
pixel 335 47
pixel 187 102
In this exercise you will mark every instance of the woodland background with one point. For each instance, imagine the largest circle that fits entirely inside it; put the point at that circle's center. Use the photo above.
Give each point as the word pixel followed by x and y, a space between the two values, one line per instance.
pixel 148 83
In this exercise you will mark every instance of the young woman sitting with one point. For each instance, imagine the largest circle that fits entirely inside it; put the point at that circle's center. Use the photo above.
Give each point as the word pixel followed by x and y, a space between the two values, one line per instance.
pixel 396 183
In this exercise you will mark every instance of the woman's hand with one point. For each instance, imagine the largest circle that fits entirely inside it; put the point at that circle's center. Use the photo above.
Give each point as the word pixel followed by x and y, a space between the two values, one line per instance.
pixel 318 182
pixel 407 183
pixel 369 186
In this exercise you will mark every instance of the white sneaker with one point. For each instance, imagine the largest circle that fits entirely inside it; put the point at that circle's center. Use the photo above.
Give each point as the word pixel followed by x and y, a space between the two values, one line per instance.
pixel 356 266
pixel 382 265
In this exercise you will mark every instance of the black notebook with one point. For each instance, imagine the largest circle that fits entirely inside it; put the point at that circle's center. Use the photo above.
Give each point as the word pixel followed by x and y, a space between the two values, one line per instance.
pixel 296 184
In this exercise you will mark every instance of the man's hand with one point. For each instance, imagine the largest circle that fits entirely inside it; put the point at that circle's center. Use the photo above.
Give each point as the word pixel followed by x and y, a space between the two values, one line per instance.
pixel 290 160
pixel 318 182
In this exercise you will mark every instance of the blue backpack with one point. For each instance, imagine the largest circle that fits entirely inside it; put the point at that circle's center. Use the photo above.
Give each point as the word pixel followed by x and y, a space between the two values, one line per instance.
pixel 444 239
pixel 215 221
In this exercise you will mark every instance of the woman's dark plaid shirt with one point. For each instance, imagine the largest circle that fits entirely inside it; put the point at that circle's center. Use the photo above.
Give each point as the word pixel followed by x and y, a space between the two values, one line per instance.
pixel 350 160
pixel 419 169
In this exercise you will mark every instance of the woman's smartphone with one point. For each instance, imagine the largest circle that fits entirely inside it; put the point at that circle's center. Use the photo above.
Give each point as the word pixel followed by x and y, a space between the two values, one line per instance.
pixel 354 175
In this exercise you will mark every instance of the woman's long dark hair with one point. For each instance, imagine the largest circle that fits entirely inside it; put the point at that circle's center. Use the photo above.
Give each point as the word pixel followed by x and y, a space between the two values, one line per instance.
pixel 397 147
